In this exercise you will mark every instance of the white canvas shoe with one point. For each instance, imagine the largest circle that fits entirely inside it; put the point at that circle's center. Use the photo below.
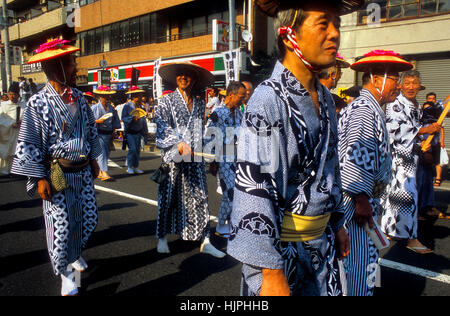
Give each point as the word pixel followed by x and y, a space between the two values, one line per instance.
pixel 80 265
pixel 137 170
pixel 130 170
pixel 207 247
pixel 163 247
pixel 68 284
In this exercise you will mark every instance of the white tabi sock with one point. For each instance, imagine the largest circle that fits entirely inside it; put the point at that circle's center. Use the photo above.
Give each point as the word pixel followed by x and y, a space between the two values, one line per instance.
pixel 163 247
pixel 80 265
pixel 207 247
pixel 68 284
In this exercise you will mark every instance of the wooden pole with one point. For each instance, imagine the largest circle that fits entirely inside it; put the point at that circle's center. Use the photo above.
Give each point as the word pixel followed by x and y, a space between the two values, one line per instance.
pixel 440 120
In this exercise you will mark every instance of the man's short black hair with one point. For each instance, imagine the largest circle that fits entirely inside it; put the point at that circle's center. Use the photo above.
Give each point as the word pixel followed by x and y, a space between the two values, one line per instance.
pixel 234 86
pixel 52 67
pixel 327 72
pixel 431 93
pixel 365 78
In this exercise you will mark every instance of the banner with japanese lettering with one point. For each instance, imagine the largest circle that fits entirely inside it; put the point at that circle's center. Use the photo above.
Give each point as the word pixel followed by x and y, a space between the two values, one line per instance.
pixel 231 62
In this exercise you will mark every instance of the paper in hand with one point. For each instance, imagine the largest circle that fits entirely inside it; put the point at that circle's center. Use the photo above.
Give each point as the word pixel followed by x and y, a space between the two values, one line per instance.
pixel 106 116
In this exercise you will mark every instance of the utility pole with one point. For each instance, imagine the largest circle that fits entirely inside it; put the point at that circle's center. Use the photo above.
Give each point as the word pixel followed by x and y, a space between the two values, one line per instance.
pixel 231 8
pixel 250 23
pixel 6 44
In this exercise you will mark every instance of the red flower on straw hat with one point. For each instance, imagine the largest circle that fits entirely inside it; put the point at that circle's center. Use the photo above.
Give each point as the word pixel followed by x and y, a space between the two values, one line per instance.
pixel 380 52
pixel 103 88
pixel 57 43
pixel 134 88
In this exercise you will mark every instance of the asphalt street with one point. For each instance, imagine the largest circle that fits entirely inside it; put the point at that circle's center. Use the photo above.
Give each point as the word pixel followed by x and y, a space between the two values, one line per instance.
pixel 122 254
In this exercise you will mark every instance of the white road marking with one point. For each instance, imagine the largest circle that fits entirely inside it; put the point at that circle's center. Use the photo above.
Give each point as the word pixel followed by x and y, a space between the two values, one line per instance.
pixel 441 188
pixel 112 164
pixel 138 198
pixel 383 262
pixel 127 195
pixel 414 270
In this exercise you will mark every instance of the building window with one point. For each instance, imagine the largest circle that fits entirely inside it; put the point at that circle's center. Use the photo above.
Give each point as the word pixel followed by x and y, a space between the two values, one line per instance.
pixel 144 29
pixel 401 9
pixel 159 27
pixel 444 6
pixel 98 41
pixel 82 43
pixel 124 37
pixel 115 36
pixel 90 42
pixel 106 38
pixel 200 26
pixel 134 32
pixel 85 2
pixel 185 30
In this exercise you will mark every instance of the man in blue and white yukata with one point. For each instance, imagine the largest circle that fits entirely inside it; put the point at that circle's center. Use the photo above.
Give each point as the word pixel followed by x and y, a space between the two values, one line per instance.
pixel 222 131
pixel 183 198
pixel 365 162
pixel 288 220
pixel 58 126
pixel 107 121
pixel 403 121
pixel 136 129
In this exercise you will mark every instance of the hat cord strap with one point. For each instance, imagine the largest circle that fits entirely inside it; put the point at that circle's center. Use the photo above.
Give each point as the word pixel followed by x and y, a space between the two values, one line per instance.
pixel 64 74
pixel 289 33
pixel 384 84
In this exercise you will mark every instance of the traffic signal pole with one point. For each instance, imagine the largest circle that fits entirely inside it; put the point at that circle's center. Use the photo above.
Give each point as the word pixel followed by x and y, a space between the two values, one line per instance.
pixel 232 14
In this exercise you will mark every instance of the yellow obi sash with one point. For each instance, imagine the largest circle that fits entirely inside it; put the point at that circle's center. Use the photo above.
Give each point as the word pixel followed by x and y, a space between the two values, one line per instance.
pixel 297 228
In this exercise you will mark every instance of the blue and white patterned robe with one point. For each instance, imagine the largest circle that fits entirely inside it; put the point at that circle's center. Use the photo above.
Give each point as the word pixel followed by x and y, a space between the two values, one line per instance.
pixel 287 161
pixel 183 199
pixel 105 131
pixel 365 162
pixel 71 216
pixel 134 132
pixel 401 201
pixel 228 124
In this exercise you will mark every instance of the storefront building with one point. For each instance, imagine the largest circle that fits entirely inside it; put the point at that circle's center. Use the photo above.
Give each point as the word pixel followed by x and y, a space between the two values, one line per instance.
pixel 134 34
pixel 417 29
pixel 31 23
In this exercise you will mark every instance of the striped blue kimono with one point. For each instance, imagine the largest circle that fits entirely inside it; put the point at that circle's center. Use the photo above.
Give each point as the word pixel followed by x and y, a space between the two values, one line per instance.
pixel 49 130
pixel 134 131
pixel 222 120
pixel 105 131
pixel 365 162
pixel 287 162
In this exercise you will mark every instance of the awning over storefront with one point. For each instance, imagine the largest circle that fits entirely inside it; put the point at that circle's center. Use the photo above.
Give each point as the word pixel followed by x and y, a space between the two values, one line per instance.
pixel 122 74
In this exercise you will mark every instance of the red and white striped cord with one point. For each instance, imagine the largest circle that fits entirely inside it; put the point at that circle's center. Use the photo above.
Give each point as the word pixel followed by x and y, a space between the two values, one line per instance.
pixel 289 33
